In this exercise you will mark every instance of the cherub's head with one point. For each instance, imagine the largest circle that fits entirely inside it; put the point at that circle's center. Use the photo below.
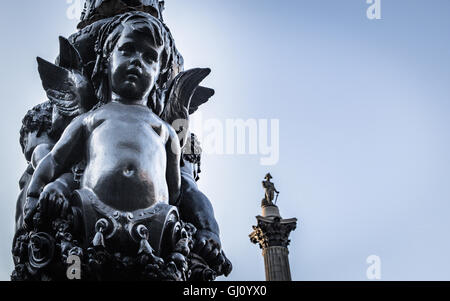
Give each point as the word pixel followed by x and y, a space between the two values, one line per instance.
pixel 36 128
pixel 133 59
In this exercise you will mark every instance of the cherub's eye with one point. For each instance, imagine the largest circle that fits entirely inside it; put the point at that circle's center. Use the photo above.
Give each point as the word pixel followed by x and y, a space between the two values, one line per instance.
pixel 149 58
pixel 126 49
pixel 126 52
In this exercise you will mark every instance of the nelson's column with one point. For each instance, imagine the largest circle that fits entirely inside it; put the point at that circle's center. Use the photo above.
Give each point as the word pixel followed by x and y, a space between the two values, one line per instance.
pixel 272 235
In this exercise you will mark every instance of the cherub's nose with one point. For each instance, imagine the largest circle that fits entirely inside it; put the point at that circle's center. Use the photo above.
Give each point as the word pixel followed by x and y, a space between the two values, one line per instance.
pixel 136 60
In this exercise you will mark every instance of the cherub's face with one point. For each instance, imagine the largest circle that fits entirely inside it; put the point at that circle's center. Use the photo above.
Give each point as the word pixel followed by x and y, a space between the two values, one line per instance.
pixel 134 65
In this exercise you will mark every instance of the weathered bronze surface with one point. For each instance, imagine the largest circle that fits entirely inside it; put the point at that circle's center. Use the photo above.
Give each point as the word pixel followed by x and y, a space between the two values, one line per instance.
pixel 112 164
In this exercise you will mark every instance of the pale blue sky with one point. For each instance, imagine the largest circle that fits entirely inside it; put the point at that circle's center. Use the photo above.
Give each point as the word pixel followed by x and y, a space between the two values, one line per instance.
pixel 363 108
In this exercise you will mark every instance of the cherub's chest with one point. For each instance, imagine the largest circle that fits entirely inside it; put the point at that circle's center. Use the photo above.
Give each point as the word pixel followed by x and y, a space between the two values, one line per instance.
pixel 124 139
pixel 127 122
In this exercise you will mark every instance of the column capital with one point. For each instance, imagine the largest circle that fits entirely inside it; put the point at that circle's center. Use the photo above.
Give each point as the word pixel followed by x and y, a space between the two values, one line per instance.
pixel 271 232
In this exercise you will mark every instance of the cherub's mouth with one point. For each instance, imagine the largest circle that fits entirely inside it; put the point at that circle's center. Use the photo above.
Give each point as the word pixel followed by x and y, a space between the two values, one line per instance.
pixel 132 76
pixel 134 72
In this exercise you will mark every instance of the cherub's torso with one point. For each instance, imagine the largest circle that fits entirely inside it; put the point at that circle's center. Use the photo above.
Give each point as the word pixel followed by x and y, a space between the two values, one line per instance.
pixel 126 156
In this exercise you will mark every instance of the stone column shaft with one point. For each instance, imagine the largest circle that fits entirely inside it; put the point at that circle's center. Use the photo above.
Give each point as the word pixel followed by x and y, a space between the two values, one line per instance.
pixel 276 262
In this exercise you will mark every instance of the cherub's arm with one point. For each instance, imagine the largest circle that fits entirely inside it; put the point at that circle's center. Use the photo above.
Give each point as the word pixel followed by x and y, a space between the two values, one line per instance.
pixel 173 174
pixel 39 153
pixel 196 208
pixel 61 188
pixel 63 155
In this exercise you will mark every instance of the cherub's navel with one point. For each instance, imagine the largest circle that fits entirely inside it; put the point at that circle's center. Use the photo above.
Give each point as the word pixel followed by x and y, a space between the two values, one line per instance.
pixel 128 171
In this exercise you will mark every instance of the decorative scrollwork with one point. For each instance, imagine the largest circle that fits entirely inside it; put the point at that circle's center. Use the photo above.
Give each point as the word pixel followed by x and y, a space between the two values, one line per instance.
pixel 41 249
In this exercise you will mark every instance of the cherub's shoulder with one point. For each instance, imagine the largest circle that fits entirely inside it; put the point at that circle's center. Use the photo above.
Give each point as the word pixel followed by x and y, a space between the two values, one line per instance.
pixel 86 116
pixel 169 128
pixel 99 110
pixel 155 119
pixel 90 118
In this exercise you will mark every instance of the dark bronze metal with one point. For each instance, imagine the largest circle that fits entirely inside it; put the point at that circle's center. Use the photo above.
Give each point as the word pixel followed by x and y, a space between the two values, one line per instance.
pixel 112 164
pixel 270 191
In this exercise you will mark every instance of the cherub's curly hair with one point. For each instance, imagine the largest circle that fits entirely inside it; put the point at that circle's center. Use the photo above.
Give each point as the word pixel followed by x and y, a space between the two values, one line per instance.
pixel 108 37
pixel 38 119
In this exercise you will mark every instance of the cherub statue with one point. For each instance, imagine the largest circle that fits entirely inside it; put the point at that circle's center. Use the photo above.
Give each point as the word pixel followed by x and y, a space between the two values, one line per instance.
pixel 131 152
pixel 194 206
pixel 270 191
pixel 36 143
pixel 132 155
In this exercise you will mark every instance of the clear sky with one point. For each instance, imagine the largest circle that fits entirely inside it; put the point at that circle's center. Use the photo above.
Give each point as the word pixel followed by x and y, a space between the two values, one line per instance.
pixel 363 109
